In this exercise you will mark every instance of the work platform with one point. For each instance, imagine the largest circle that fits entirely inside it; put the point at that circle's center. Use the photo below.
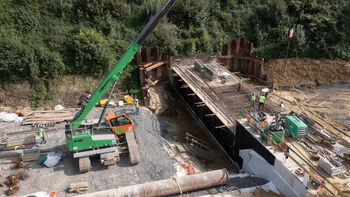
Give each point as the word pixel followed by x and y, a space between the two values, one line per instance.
pixel 211 94
pixel 221 95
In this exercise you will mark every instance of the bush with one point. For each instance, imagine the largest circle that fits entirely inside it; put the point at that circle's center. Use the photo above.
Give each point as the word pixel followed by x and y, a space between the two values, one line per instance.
pixel 90 53
pixel 15 59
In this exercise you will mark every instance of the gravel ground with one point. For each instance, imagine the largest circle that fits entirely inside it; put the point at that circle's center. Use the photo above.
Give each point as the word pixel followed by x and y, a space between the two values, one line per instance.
pixel 236 181
pixel 156 163
pixel 154 159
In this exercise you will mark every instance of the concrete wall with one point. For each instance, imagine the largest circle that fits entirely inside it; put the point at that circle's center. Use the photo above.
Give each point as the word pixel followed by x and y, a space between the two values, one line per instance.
pixel 284 180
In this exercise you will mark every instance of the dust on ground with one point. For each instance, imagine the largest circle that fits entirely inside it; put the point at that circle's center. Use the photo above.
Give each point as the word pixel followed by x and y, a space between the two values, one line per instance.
pixel 306 71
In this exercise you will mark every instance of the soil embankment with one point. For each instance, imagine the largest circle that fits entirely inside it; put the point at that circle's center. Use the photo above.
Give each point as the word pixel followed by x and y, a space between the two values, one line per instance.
pixel 306 71
pixel 65 91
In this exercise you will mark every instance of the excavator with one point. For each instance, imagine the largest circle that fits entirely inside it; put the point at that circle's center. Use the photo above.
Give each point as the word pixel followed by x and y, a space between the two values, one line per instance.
pixel 105 137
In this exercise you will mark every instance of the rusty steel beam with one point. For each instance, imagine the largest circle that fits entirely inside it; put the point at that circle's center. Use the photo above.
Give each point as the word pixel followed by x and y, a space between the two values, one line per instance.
pixel 168 187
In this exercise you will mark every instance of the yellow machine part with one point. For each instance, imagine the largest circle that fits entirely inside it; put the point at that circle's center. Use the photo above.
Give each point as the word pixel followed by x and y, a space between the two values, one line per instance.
pixel 128 99
pixel 102 102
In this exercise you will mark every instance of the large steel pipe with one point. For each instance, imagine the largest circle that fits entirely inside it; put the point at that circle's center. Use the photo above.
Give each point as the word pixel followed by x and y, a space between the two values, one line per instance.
pixel 168 187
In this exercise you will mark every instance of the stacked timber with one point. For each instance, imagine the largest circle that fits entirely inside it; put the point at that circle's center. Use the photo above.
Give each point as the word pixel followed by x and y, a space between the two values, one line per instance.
pixel 47 117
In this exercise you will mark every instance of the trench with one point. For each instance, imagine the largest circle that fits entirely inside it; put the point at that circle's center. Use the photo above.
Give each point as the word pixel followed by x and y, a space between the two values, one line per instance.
pixel 184 121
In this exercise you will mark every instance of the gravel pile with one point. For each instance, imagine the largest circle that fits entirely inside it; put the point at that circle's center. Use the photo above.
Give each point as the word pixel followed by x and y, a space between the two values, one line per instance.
pixel 155 162
pixel 154 157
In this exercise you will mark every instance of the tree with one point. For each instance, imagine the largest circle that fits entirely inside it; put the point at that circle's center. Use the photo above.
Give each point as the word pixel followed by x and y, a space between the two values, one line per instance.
pixel 90 53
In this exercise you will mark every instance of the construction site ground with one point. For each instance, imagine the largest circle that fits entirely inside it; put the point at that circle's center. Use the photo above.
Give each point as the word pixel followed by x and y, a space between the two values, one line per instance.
pixel 160 131
pixel 329 105
pixel 326 104
pixel 159 159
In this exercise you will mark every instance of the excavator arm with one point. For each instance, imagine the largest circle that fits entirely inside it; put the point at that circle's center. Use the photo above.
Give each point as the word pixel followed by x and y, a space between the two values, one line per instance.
pixel 117 69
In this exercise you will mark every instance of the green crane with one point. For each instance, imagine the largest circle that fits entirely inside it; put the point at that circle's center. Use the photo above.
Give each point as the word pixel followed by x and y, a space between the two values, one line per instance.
pixel 103 138
pixel 116 71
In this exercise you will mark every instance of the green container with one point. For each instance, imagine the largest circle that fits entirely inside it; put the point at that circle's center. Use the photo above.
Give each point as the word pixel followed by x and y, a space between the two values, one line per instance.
pixel 279 134
pixel 296 127
pixel 42 159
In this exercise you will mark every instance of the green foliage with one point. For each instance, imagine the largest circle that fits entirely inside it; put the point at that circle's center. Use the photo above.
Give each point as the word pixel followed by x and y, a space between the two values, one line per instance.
pixel 165 36
pixel 42 40
pixel 37 92
pixel 130 79
pixel 15 58
pixel 90 53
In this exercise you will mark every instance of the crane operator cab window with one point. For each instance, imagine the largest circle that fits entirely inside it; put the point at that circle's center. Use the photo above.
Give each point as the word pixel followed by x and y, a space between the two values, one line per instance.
pixel 120 121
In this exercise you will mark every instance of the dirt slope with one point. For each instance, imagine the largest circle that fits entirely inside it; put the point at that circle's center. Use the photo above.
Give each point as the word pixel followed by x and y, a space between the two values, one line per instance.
pixel 306 71
pixel 65 91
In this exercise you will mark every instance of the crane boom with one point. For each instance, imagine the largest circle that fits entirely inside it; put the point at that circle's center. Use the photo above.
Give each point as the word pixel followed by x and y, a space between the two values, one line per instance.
pixel 117 69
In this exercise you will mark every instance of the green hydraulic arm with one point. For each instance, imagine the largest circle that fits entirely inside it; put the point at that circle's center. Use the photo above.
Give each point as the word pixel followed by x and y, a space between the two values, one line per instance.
pixel 116 71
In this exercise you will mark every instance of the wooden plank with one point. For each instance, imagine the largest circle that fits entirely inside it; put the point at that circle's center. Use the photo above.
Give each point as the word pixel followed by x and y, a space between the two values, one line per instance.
pixel 52 111
pixel 50 114
pixel 155 66
pixel 148 64
pixel 49 118
pixel 151 83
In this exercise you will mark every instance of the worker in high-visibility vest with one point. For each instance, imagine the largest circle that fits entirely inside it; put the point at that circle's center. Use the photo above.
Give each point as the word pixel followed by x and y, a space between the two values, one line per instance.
pixel 42 134
pixel 282 106
pixel 261 101
pixel 136 103
pixel 239 83
pixel 252 100
pixel 266 91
